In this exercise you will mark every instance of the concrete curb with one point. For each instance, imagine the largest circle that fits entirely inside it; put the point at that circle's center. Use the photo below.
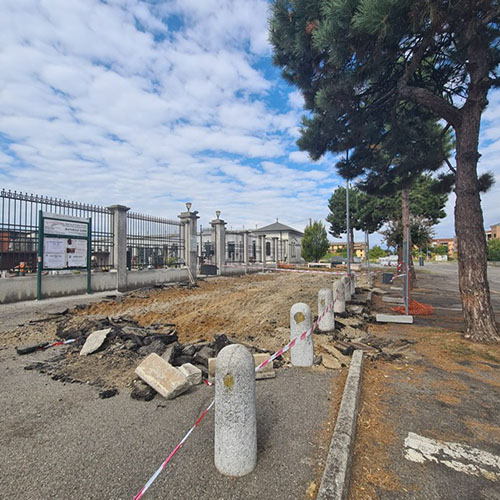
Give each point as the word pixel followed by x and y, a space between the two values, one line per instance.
pixel 337 475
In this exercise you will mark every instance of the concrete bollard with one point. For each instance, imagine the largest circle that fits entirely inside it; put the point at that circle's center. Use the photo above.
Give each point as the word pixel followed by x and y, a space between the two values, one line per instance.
pixel 346 280
pixel 325 301
pixel 302 353
pixel 338 296
pixel 235 413
pixel 354 283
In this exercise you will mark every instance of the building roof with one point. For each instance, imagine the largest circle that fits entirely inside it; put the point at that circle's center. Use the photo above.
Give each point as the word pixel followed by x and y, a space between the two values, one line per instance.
pixel 276 226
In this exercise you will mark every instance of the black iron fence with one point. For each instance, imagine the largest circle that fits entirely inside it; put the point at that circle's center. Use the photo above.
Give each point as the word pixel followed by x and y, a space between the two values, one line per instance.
pixel 234 251
pixel 153 242
pixel 19 213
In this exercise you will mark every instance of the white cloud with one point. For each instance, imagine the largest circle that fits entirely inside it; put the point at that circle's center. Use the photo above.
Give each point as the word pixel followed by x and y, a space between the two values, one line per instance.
pixel 152 104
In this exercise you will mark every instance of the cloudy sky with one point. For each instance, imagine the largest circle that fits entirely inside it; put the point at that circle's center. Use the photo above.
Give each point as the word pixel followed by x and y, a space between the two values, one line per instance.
pixel 154 103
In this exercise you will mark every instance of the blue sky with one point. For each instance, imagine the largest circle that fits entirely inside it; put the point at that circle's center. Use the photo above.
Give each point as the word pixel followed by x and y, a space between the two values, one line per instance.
pixel 152 104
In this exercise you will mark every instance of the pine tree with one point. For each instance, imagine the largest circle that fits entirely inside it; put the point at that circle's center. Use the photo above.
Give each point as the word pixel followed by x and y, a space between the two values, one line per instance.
pixel 362 64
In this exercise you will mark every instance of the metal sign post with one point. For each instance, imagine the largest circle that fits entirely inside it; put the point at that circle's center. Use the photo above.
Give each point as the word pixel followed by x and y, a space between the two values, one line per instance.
pixel 64 243
pixel 406 271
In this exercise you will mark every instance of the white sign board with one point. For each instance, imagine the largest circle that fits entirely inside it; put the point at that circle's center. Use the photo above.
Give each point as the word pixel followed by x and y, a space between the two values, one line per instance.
pixel 77 253
pixel 59 253
pixel 65 228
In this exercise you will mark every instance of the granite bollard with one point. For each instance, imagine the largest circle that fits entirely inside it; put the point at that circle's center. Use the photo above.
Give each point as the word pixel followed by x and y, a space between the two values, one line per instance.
pixel 338 297
pixel 235 412
pixel 325 301
pixel 302 353
pixel 346 280
pixel 354 283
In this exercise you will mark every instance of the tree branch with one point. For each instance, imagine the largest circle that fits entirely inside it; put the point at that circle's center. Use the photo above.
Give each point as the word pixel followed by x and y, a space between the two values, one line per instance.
pixel 450 166
pixel 434 103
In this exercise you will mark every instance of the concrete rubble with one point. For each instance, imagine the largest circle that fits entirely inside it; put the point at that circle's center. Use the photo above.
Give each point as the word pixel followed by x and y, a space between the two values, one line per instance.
pixel 162 377
pixel 94 341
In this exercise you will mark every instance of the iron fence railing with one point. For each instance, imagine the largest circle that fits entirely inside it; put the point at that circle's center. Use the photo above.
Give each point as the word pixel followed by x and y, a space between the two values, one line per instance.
pixel 19 214
pixel 153 242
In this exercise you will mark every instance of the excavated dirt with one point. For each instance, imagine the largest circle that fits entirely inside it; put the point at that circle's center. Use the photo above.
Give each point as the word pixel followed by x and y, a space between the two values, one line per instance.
pixel 251 309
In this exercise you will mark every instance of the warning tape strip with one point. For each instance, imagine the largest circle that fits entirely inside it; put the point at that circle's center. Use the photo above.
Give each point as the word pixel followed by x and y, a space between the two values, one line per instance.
pixel 301 337
pixel 343 273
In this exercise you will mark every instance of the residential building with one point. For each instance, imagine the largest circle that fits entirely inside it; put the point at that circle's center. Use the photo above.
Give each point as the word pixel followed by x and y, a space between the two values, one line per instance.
pixel 359 248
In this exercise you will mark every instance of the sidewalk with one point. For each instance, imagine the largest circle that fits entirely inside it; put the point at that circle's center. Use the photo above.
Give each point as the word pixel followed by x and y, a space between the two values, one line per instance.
pixel 443 388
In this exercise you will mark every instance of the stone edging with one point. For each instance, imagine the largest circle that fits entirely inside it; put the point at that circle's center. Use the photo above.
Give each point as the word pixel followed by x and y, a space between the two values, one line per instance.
pixel 337 475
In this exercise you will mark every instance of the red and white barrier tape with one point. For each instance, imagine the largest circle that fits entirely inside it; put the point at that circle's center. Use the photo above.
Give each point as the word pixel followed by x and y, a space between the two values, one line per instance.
pixel 343 273
pixel 301 337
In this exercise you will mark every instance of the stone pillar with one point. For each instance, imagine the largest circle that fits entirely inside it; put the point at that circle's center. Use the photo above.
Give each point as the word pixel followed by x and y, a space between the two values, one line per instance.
pixel 354 282
pixel 245 248
pixel 235 412
pixel 189 221
pixel 346 280
pixel 338 290
pixel 275 250
pixel 262 240
pixel 220 243
pixel 302 353
pixel 120 245
pixel 325 302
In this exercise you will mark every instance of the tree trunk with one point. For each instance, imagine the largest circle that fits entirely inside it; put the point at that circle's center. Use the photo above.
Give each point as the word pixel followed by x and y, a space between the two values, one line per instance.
pixel 471 240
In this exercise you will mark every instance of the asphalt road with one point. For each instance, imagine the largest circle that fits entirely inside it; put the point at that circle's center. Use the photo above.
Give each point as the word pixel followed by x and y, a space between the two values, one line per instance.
pixel 62 441
pixel 437 284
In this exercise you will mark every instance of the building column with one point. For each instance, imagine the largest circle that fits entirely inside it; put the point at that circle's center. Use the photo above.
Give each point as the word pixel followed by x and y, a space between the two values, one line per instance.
pixel 275 250
pixel 245 248
pixel 220 242
pixel 189 221
pixel 262 240
pixel 120 245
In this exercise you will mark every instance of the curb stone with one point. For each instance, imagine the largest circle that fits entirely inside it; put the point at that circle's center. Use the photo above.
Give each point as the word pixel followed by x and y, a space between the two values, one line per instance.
pixel 337 475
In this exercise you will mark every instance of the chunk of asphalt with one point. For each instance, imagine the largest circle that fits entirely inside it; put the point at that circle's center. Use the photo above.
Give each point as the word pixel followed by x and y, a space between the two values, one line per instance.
pixel 337 474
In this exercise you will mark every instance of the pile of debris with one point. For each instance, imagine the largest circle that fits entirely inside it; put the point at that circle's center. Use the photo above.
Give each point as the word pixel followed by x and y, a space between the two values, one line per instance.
pixel 111 352
pixel 101 348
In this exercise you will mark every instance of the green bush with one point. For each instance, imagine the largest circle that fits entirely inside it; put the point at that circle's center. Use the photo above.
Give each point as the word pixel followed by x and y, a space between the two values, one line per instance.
pixel 494 250
pixel 376 252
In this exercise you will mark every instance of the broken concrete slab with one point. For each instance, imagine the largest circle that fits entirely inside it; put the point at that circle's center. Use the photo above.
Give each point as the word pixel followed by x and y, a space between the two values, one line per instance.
pixel 94 341
pixel 393 300
pixel 162 376
pixel 191 372
pixel 393 318
pixel 354 309
pixel 330 362
pixel 264 373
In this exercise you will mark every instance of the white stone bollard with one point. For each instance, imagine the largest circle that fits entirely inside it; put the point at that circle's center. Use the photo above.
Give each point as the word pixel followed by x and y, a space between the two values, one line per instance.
pixel 346 280
pixel 235 413
pixel 325 301
pixel 338 296
pixel 302 353
pixel 354 281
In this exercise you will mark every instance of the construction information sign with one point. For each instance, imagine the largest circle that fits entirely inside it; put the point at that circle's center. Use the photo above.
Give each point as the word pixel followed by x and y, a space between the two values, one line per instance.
pixel 64 243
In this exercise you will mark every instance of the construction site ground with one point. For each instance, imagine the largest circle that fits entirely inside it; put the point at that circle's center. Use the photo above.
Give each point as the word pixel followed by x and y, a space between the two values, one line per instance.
pixel 60 440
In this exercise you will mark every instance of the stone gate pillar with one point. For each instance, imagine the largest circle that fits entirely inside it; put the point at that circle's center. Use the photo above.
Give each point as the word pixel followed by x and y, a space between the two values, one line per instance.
pixel 220 242
pixel 120 245
pixel 189 221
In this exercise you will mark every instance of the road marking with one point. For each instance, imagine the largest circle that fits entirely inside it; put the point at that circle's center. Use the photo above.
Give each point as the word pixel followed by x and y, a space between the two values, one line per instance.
pixel 459 457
